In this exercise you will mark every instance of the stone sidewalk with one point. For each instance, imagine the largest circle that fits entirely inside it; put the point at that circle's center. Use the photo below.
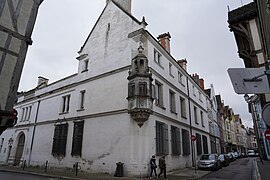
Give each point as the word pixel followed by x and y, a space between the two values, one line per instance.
pixel 187 173
pixel 263 170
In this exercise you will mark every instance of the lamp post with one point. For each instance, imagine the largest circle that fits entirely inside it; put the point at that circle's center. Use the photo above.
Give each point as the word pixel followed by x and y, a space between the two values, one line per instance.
pixel 251 101
pixel 10 143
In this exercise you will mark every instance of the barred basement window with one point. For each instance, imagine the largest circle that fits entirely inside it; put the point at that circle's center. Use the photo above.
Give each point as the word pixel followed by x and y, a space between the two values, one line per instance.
pixel 198 144
pixel 175 135
pixel 205 144
pixel 186 142
pixel 77 138
pixel 162 143
pixel 60 140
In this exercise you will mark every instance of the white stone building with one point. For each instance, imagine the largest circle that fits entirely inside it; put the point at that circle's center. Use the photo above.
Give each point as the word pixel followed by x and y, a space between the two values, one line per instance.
pixel 129 100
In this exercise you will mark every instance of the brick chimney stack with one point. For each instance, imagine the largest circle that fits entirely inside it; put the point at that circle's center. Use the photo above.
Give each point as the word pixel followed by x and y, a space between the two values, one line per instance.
pixel 198 80
pixel 164 40
pixel 183 63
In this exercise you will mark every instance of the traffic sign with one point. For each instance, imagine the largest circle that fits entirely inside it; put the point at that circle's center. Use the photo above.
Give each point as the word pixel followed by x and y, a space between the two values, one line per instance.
pixel 267 134
pixel 193 138
pixel 266 114
pixel 249 80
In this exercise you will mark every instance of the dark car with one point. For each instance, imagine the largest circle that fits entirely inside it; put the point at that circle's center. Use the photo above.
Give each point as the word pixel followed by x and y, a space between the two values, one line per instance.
pixel 209 161
pixel 231 157
pixel 224 160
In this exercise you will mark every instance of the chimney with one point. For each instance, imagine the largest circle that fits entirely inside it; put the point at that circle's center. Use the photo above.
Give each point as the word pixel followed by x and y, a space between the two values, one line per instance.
pixel 164 40
pixel 201 83
pixel 197 79
pixel 124 4
pixel 42 81
pixel 183 63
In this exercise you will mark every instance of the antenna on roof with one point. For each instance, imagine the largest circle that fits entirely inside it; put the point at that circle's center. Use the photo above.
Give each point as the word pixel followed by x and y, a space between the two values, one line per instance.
pixel 242 2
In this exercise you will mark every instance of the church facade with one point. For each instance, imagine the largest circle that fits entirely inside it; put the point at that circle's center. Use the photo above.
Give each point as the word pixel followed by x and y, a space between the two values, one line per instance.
pixel 129 100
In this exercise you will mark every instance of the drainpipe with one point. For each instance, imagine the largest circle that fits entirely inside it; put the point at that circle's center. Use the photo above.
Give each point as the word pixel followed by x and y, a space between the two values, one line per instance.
pixel 33 134
pixel 190 123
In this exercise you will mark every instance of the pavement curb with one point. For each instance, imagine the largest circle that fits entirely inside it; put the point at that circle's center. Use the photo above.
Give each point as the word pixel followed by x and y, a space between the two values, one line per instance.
pixel 255 173
pixel 40 174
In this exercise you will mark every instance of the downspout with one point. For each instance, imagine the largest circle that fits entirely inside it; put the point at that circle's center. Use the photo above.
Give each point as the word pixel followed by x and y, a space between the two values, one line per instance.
pixel 190 126
pixel 33 134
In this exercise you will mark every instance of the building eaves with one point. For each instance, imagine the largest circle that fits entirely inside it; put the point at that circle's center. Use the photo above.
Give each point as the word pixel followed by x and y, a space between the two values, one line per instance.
pixel 244 13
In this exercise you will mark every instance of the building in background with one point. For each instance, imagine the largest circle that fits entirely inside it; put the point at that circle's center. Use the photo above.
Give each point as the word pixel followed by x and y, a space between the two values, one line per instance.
pixel 250 25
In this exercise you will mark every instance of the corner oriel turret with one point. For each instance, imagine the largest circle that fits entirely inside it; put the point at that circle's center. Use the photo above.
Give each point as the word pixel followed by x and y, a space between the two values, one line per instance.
pixel 140 101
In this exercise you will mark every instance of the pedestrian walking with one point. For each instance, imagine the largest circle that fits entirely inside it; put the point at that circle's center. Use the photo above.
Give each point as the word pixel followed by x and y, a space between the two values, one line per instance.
pixel 162 166
pixel 153 166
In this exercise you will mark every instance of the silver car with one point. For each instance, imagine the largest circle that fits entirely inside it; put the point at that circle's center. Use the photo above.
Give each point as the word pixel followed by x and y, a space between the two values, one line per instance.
pixel 209 161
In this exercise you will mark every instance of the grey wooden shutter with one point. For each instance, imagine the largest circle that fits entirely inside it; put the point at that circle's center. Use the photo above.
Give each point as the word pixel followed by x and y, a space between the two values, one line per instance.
pixel 178 143
pixel 165 139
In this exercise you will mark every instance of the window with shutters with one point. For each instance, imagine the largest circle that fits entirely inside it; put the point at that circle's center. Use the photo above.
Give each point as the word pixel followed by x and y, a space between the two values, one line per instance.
pixel 199 144
pixel 159 94
pixel 77 138
pixel 60 140
pixel 183 107
pixel 205 144
pixel 202 119
pixel 186 142
pixel 175 142
pixel 172 101
pixel 195 115
pixel 162 143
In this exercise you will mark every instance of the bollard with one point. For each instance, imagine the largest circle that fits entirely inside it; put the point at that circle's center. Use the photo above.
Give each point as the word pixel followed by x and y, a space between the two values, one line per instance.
pixel 24 164
pixel 46 166
pixel 76 170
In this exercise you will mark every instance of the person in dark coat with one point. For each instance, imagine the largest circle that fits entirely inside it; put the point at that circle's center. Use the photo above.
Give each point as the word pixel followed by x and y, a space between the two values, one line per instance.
pixel 162 166
pixel 153 166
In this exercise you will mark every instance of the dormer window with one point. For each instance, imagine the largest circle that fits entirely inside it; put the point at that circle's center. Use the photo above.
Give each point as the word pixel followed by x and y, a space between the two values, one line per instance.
pixel 85 65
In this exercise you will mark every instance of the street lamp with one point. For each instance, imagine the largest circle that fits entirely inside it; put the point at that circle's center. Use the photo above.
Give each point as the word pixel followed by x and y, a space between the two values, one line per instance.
pixel 251 102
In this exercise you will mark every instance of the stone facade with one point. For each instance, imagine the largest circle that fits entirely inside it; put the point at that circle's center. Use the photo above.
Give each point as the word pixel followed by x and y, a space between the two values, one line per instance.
pixel 89 118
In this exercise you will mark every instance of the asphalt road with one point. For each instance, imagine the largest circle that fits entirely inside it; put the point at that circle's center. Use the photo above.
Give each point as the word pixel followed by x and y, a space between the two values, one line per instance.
pixel 21 176
pixel 241 169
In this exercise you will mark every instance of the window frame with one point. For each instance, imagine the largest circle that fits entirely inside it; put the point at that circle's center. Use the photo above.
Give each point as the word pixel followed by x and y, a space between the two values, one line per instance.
pixel 60 140
pixel 183 107
pixel 162 140
pixel 185 142
pixel 175 141
pixel 65 104
pixel 172 101
pixel 77 139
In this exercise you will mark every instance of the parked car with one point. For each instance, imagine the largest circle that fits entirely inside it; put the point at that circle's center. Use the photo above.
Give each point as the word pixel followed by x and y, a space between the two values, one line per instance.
pixel 209 161
pixel 224 160
pixel 231 157
pixel 251 153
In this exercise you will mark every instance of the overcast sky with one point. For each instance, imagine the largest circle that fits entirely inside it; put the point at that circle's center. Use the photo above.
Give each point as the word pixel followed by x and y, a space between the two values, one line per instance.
pixel 199 31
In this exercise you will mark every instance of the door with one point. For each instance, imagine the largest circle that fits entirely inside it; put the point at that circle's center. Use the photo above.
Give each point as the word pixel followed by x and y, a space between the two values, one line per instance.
pixel 19 150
